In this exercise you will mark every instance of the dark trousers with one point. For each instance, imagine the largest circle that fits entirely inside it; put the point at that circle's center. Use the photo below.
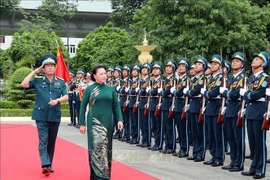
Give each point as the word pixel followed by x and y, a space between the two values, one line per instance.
pixel 182 129
pixel 257 138
pixel 216 139
pixel 126 124
pixel 72 112
pixel 156 129
pixel 117 133
pixel 135 130
pixel 169 131
pixel 198 135
pixel 47 134
pixel 190 139
pixel 236 139
pixel 145 127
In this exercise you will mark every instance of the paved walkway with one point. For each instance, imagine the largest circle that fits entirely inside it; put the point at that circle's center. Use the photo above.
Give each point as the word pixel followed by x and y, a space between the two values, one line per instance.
pixel 165 167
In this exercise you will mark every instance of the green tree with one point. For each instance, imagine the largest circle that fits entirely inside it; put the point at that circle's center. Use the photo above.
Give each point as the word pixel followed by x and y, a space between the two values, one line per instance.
pixel 107 45
pixel 59 12
pixel 124 11
pixel 8 6
pixel 194 27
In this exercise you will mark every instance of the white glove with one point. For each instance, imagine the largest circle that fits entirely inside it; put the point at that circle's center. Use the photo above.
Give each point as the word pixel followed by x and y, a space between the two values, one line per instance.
pixel 137 89
pixel 187 108
pixel 203 90
pixel 267 92
pixel 127 89
pixel 159 90
pixel 117 88
pixel 222 89
pixel 159 105
pixel 185 90
pixel 242 91
pixel 126 103
pixel 243 112
pixel 147 89
pixel 146 106
pixel 223 110
pixel 172 90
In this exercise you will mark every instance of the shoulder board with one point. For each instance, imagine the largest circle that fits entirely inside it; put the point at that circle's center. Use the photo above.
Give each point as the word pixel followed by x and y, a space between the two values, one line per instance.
pixel 220 75
pixel 265 75
pixel 58 78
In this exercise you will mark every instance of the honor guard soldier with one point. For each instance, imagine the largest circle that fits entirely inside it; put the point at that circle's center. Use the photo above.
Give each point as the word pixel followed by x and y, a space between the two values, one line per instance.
pixel 177 91
pixel 133 103
pixel 168 124
pixel 256 107
pixel 192 76
pixel 235 134
pixel 116 82
pixel 215 128
pixel 195 104
pixel 144 104
pixel 72 99
pixel 79 83
pixel 109 73
pixel 123 89
pixel 154 105
pixel 50 92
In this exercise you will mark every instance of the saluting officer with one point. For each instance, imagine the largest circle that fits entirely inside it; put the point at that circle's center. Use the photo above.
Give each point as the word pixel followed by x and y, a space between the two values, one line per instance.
pixel 133 93
pixel 235 134
pixel 182 125
pixel 168 124
pixel 144 118
pixel 256 107
pixel 215 129
pixel 195 102
pixel 123 89
pixel 50 92
pixel 154 100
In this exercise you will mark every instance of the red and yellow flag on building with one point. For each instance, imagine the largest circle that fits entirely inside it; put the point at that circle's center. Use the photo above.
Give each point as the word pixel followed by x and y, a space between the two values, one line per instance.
pixel 61 68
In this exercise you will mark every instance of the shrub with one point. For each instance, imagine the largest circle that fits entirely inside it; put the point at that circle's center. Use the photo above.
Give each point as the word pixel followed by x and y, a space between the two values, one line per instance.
pixel 7 104
pixel 25 103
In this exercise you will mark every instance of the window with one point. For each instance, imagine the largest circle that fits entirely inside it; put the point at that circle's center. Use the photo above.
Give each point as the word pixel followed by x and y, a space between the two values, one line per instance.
pixel 2 39
pixel 71 49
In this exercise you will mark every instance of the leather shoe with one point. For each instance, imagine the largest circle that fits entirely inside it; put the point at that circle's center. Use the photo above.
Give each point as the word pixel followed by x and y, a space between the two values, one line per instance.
pixel 150 148
pixel 133 142
pixel 163 151
pixel 268 160
pixel 229 167
pixel 139 145
pixel 248 173
pixel 156 149
pixel 51 169
pixel 216 164
pixel 208 162
pixel 175 154
pixel 145 145
pixel 181 155
pixel 170 151
pixel 236 169
pixel 70 124
pixel 191 158
pixel 198 159
pixel 46 171
pixel 258 176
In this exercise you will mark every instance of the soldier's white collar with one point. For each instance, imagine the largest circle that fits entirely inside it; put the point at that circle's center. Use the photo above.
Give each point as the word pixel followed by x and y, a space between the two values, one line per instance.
pixel 214 75
pixel 170 76
pixel 134 78
pixel 183 75
pixel 198 75
pixel 145 78
pixel 157 78
pixel 257 74
pixel 235 75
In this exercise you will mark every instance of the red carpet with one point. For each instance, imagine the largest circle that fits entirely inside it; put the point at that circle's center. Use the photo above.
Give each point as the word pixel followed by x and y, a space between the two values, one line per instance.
pixel 19 158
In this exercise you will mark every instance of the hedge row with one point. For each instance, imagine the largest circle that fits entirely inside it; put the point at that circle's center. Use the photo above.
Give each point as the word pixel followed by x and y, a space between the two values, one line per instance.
pixel 5 104
pixel 25 112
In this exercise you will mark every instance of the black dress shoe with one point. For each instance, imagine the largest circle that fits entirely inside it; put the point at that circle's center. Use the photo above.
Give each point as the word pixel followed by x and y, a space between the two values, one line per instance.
pixel 248 156
pixel 70 124
pixel 248 173
pixel 51 169
pixel 139 145
pixel 150 148
pixel 145 145
pixel 198 159
pixel 216 164
pixel 170 151
pixel 182 155
pixel 132 142
pixel 227 167
pixel 175 154
pixel 156 149
pixel 208 162
pixel 236 169
pixel 258 176
pixel 268 160
pixel 191 158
